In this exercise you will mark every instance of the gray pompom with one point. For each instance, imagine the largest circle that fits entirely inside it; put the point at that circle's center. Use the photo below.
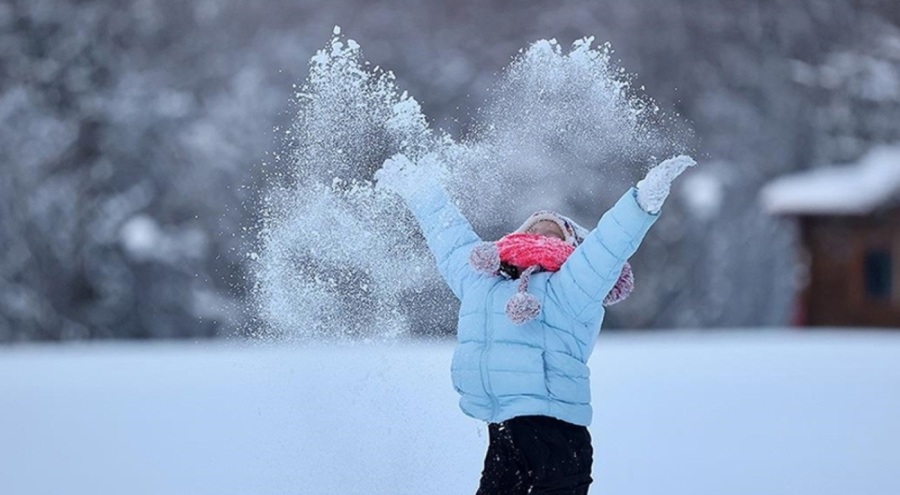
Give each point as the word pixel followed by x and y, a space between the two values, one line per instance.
pixel 623 288
pixel 523 307
pixel 485 257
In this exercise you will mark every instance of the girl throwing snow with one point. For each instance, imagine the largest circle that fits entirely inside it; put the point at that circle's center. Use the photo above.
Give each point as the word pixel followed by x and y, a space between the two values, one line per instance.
pixel 532 304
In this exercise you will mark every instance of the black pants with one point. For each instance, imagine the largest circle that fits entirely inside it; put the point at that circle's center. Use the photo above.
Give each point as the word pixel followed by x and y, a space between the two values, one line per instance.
pixel 537 455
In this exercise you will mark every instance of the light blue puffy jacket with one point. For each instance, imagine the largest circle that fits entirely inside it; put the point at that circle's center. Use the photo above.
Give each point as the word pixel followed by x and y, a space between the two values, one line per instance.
pixel 503 370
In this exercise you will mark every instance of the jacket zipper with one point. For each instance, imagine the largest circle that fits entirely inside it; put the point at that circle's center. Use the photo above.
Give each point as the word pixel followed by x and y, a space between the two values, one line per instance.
pixel 488 340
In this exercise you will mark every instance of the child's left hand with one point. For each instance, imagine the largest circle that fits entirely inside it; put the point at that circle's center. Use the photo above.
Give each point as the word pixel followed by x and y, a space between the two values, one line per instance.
pixel 654 188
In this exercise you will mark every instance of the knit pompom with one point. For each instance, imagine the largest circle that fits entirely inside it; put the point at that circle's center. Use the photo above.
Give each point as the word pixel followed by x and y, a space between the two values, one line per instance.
pixel 485 257
pixel 623 287
pixel 523 307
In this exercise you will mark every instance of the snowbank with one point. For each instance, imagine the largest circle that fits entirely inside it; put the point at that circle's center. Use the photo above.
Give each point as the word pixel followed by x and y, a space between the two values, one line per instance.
pixel 739 413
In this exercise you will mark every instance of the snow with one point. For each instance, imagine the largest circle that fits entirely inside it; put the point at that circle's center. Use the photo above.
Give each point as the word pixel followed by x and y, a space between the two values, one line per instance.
pixel 553 119
pixel 838 190
pixel 144 239
pixel 703 193
pixel 761 412
pixel 140 235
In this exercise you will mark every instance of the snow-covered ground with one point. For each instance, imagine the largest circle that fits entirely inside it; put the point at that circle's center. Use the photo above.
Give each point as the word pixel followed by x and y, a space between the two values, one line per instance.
pixel 756 413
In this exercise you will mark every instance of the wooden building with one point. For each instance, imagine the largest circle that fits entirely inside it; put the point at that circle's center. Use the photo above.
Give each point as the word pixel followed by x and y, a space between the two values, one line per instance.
pixel 849 218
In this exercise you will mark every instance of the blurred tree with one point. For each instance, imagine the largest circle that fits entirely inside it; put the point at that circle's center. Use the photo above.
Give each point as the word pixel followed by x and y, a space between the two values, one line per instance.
pixel 129 132
pixel 125 145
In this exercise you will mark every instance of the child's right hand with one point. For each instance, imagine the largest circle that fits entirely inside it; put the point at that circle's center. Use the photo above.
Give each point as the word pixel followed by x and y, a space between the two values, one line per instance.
pixel 396 175
pixel 400 175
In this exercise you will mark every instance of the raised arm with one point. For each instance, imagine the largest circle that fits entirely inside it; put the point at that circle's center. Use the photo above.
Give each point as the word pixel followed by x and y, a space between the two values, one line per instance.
pixel 449 235
pixel 588 275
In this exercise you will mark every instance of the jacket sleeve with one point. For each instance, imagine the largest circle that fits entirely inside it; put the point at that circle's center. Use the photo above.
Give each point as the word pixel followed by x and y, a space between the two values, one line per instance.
pixel 592 270
pixel 449 235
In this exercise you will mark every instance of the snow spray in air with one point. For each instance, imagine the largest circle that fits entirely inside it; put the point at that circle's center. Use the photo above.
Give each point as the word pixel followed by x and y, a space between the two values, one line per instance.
pixel 338 260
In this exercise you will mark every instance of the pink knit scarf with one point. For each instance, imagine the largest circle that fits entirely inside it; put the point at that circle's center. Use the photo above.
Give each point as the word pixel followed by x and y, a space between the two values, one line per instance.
pixel 525 250
pixel 529 253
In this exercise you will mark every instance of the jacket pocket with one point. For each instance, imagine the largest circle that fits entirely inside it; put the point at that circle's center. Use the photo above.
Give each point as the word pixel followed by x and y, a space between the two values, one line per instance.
pixel 464 369
pixel 568 379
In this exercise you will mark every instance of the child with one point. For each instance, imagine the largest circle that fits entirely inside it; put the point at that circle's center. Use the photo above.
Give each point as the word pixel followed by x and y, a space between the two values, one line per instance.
pixel 531 308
